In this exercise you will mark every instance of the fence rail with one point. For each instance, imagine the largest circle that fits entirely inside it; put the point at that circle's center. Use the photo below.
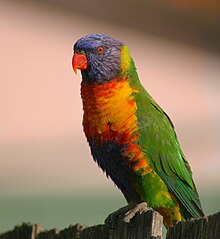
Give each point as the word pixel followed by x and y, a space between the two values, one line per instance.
pixel 145 226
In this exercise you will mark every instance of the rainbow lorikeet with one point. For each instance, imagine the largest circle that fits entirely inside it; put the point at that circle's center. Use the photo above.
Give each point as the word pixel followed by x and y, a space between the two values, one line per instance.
pixel 131 138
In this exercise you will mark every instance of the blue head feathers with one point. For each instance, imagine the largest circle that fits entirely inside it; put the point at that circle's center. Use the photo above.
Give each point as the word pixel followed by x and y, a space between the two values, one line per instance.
pixel 103 56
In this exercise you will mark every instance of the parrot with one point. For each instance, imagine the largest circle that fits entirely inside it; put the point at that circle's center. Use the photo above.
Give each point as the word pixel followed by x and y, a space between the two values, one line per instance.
pixel 131 138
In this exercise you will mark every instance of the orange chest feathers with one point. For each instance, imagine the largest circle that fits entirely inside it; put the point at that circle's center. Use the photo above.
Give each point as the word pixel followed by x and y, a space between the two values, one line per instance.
pixel 109 110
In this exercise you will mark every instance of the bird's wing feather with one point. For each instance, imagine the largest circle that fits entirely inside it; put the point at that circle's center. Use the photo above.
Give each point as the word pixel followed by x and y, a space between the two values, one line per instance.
pixel 159 141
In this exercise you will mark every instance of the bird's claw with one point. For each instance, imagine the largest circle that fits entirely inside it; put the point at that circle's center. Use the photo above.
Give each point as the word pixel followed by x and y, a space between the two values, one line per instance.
pixel 139 208
pixel 112 220
pixel 125 214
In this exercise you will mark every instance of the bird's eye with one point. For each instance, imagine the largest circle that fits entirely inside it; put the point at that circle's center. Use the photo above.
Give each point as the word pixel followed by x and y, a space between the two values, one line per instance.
pixel 101 49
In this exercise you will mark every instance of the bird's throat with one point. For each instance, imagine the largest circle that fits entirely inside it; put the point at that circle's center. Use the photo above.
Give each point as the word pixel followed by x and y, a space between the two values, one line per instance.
pixel 109 109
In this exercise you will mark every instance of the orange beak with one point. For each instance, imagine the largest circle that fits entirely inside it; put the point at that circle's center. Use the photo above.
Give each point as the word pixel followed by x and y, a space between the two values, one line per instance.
pixel 80 62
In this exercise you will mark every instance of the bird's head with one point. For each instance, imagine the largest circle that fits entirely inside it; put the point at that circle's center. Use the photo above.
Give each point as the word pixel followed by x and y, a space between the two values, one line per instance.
pixel 100 58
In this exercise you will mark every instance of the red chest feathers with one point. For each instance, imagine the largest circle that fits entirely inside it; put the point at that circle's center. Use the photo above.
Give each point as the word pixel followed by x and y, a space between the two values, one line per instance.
pixel 109 110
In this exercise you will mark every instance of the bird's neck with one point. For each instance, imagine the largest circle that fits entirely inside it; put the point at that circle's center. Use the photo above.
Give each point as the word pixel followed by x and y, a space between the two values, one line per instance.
pixel 109 109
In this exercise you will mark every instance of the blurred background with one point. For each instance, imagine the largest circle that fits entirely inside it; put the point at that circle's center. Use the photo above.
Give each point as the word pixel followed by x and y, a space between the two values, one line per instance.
pixel 47 175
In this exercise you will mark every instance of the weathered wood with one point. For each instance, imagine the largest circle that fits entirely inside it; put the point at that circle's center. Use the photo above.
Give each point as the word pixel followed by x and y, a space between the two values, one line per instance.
pixel 145 226
pixel 205 228
pixel 25 231
pixel 148 225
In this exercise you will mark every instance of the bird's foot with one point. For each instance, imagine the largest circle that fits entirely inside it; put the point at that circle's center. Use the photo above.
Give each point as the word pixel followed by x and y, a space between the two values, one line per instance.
pixel 139 208
pixel 125 214
pixel 113 218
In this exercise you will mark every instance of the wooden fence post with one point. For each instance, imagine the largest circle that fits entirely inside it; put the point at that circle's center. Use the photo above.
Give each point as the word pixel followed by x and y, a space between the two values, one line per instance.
pixel 145 226
pixel 148 225
pixel 204 228
pixel 26 231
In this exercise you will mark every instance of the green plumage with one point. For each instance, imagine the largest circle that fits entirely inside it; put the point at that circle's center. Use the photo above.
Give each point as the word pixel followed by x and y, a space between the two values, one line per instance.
pixel 131 138
pixel 159 142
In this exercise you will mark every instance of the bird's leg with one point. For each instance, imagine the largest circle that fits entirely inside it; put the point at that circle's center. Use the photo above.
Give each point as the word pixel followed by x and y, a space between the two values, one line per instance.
pixel 126 213
pixel 138 208
pixel 114 217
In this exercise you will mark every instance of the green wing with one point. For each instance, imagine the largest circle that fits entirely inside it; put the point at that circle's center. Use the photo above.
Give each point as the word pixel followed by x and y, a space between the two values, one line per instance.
pixel 159 142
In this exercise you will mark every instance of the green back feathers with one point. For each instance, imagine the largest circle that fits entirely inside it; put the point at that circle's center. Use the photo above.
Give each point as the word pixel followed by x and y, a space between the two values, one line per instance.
pixel 159 142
